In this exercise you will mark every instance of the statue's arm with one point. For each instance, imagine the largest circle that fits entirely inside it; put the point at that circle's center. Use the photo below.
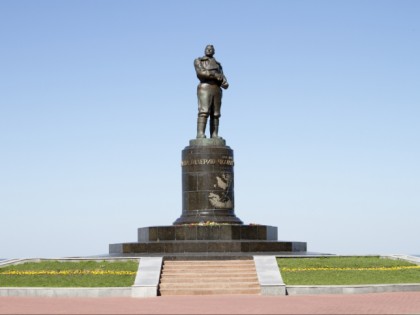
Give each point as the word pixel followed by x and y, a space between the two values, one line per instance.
pixel 224 83
pixel 202 74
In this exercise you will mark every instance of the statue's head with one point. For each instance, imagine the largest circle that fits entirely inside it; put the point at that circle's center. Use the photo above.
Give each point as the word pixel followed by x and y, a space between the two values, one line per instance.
pixel 209 51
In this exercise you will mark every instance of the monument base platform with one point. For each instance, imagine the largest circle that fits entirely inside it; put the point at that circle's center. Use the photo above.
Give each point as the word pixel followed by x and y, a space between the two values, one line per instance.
pixel 208 240
pixel 172 247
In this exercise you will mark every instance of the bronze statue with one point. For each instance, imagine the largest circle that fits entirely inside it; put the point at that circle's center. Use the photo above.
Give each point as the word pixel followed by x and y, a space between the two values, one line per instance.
pixel 209 92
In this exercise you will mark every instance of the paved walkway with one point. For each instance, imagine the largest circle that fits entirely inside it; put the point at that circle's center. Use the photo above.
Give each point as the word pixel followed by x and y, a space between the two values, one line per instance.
pixel 377 303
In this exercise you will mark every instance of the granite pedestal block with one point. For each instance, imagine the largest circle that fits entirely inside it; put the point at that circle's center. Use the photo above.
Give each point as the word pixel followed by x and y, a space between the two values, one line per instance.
pixel 207 233
pixel 208 247
pixel 207 183
pixel 207 240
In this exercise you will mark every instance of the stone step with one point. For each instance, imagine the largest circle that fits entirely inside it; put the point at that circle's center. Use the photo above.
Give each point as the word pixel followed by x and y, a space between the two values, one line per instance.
pixel 209 291
pixel 212 268
pixel 209 265
pixel 210 262
pixel 203 273
pixel 211 278
pixel 210 285
pixel 209 269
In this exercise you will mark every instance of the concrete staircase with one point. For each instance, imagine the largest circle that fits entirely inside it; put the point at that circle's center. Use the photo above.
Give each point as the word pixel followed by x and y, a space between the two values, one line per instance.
pixel 205 277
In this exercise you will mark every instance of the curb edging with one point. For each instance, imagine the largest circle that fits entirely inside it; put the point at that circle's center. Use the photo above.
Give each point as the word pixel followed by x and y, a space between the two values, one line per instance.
pixel 65 292
pixel 351 289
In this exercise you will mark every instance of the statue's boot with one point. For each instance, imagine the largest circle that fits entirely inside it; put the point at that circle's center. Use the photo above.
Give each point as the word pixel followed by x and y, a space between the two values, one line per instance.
pixel 201 127
pixel 214 128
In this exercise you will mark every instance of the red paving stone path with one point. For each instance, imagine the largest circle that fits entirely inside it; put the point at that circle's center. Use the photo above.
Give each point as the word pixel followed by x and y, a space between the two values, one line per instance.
pixel 377 303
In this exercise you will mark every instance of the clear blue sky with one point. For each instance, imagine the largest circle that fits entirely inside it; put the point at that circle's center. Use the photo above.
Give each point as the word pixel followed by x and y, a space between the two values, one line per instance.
pixel 98 98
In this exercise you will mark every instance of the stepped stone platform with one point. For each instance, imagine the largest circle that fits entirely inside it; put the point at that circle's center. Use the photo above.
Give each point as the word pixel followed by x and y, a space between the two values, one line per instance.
pixel 208 225
pixel 207 240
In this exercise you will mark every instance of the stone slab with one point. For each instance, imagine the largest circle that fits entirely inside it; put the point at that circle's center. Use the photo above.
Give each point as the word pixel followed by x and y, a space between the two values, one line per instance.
pixel 208 142
pixel 147 279
pixel 351 289
pixel 269 276
pixel 66 292
pixel 239 246
pixel 201 233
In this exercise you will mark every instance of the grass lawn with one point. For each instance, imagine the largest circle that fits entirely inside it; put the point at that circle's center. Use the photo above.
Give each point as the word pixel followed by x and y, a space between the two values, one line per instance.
pixel 347 271
pixel 69 274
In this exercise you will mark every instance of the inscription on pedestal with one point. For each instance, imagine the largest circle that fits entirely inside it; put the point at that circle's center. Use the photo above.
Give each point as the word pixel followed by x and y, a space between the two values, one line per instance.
pixel 223 161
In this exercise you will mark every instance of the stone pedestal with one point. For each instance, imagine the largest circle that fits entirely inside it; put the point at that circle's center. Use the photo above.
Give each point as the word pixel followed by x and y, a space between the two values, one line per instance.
pixel 207 183
pixel 208 226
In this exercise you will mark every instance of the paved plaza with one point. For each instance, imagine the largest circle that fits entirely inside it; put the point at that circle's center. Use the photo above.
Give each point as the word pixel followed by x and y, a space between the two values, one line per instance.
pixel 377 303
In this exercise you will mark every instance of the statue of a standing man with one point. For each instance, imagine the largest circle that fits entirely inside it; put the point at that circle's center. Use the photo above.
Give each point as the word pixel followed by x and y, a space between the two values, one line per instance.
pixel 209 92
